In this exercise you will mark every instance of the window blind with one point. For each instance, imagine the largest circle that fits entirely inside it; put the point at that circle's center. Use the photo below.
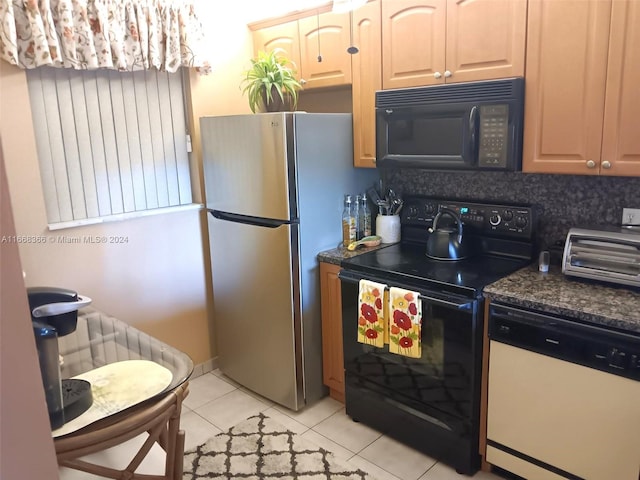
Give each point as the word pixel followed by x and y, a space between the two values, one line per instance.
pixel 109 143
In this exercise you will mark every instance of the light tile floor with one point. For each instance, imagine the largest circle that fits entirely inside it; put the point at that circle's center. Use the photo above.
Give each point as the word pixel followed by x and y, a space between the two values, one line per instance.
pixel 216 403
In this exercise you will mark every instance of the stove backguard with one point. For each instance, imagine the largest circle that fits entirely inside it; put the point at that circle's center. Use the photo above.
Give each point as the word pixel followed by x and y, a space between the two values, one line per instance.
pixel 500 229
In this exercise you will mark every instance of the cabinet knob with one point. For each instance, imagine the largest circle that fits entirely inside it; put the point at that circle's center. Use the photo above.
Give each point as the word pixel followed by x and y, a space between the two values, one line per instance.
pixel 606 164
pixel 437 75
pixel 447 74
pixel 302 81
pixel 591 164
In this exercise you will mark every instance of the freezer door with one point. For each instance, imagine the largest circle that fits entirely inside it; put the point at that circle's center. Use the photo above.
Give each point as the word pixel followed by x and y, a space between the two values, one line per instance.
pixel 256 308
pixel 246 167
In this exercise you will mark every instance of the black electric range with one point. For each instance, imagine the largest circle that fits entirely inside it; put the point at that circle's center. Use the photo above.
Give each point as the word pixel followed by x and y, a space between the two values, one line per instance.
pixel 432 403
pixel 500 238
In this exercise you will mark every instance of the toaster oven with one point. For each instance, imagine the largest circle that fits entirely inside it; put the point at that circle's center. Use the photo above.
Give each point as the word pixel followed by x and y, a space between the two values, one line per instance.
pixel 603 255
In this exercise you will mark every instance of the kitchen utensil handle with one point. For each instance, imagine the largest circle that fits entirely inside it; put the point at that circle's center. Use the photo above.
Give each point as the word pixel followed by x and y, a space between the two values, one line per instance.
pixel 451 213
pixel 52 309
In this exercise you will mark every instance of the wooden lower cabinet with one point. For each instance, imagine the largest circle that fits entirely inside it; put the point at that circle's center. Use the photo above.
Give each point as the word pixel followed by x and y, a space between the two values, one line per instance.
pixel 332 356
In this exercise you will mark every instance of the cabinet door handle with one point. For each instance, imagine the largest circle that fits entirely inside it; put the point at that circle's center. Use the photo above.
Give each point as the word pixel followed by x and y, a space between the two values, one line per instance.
pixel 437 75
pixel 591 164
pixel 606 164
pixel 447 74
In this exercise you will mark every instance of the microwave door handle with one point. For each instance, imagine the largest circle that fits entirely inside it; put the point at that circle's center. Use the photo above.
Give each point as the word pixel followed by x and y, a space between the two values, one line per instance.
pixel 473 128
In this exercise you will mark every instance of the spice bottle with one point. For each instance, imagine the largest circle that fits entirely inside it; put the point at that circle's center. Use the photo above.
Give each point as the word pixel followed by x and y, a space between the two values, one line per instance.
pixel 348 222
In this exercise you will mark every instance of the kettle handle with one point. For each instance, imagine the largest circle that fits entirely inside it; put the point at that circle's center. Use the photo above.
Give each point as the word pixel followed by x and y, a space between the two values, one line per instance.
pixel 51 309
pixel 448 211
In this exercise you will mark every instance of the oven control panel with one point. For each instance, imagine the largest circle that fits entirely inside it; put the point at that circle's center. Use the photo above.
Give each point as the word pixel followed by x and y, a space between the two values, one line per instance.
pixel 483 218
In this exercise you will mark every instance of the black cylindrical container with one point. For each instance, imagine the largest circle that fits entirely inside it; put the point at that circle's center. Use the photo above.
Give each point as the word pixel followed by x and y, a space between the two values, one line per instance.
pixel 47 344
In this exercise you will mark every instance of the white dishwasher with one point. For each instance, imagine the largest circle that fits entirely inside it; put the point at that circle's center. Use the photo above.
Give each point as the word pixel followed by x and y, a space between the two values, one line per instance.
pixel 563 399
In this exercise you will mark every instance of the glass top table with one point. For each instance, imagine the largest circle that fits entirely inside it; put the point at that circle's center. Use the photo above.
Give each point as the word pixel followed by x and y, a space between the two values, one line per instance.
pixel 101 340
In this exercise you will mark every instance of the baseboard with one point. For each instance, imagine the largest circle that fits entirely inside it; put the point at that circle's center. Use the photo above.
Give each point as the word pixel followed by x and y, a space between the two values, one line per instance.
pixel 205 367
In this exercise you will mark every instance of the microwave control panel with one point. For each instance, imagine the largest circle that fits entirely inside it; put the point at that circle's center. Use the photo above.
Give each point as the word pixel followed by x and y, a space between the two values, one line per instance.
pixel 494 136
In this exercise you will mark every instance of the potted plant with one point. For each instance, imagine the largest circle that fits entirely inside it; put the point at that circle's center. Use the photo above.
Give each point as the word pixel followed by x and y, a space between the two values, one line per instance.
pixel 271 80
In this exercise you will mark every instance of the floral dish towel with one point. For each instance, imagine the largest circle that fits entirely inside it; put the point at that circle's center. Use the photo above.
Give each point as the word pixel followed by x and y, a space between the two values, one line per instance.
pixel 371 313
pixel 405 323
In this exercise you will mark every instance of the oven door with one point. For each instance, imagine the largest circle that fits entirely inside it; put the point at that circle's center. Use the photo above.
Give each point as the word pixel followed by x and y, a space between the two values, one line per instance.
pixel 431 402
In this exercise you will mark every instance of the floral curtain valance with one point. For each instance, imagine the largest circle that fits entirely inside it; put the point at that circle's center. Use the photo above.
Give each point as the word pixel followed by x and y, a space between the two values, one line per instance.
pixel 90 34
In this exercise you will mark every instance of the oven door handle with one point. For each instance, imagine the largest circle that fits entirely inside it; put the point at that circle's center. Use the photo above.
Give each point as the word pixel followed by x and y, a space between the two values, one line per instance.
pixel 465 305
pixel 447 303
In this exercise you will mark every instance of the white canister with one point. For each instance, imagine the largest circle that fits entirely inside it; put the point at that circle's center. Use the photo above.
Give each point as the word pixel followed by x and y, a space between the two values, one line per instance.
pixel 388 228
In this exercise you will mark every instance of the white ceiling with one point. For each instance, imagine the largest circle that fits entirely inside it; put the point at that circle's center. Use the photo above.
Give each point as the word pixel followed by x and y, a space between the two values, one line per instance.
pixel 259 9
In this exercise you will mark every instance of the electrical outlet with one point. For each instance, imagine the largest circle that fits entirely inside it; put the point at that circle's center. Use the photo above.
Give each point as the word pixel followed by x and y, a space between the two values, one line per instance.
pixel 631 216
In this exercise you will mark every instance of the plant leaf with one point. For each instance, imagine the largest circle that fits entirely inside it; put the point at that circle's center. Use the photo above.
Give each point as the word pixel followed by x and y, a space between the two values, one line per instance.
pixel 268 70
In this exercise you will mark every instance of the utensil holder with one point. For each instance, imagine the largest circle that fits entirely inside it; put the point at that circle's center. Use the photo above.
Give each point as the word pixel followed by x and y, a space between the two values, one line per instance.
pixel 388 228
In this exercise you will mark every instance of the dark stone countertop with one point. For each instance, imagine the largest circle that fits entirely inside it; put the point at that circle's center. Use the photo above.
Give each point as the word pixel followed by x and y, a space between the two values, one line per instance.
pixel 555 293
pixel 336 255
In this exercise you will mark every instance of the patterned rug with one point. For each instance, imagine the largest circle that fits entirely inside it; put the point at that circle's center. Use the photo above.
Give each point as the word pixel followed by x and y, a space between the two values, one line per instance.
pixel 260 448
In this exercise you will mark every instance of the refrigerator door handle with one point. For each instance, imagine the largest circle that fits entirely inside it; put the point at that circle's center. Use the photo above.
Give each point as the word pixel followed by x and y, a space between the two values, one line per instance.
pixel 248 219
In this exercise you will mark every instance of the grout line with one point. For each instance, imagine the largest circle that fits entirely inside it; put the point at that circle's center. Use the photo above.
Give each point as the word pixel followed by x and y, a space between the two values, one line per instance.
pixel 222 430
pixel 333 441
pixel 428 469
pixel 213 400
pixel 374 440
pixel 381 468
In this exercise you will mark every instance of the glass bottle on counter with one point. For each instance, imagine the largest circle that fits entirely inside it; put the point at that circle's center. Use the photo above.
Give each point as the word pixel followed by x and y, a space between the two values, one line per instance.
pixel 348 222
pixel 365 217
pixel 358 217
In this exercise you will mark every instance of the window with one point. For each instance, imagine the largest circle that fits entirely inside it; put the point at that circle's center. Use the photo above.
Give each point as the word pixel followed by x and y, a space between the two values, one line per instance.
pixel 109 143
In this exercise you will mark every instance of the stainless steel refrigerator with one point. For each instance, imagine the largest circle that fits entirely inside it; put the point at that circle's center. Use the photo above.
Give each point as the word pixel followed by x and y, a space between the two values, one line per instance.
pixel 274 185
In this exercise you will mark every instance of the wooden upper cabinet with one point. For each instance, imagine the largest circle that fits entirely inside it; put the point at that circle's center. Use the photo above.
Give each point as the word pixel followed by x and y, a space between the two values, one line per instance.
pixel 284 36
pixel 327 35
pixel 621 136
pixel 413 39
pixel 581 89
pixel 428 42
pixel 367 78
pixel 485 39
pixel 565 85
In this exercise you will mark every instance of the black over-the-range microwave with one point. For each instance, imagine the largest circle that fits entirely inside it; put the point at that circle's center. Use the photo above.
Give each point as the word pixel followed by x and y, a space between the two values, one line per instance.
pixel 458 126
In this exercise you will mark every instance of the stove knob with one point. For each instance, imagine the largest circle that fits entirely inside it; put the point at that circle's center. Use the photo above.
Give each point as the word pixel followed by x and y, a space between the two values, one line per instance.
pixel 507 215
pixel 413 212
pixel 521 221
pixel 495 219
pixel 429 208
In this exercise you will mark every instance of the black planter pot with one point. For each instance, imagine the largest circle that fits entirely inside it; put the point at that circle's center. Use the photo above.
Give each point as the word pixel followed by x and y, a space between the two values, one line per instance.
pixel 276 104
